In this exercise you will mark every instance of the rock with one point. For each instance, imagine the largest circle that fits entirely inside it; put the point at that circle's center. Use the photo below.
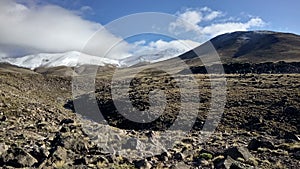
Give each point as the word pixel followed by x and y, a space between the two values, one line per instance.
pixel 76 145
pixel 178 156
pixel 218 161
pixel 17 157
pixel 80 161
pixel 142 164
pixel 69 105
pixel 57 140
pixel 3 148
pixel 256 143
pixel 297 155
pixel 291 136
pixel 230 163
pixel 204 162
pixel 164 156
pixel 291 110
pixel 40 153
pixel 132 143
pixel 238 152
pixel 64 129
pixel 180 165
pixel 66 121
pixel 60 154
pixel 3 118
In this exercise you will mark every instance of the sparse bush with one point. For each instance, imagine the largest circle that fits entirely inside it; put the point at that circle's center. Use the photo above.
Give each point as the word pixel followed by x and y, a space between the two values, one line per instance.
pixel 206 156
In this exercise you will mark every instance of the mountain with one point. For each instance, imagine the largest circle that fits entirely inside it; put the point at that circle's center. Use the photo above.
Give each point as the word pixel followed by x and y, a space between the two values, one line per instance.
pixel 151 57
pixel 6 67
pixel 251 47
pixel 69 59
pixel 236 47
pixel 74 58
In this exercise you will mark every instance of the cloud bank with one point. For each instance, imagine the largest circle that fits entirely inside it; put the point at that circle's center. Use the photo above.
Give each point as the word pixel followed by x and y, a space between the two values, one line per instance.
pixel 33 29
pixel 194 21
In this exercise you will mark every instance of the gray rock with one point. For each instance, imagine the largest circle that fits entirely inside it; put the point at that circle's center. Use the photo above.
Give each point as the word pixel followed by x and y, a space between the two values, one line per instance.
pixel 291 110
pixel 256 143
pixel 238 152
pixel 60 153
pixel 17 157
pixel 3 148
pixel 230 163
pixel 297 155
pixel 131 143
pixel 67 121
pixel 142 164
pixel 291 136
pixel 178 156
pixel 164 156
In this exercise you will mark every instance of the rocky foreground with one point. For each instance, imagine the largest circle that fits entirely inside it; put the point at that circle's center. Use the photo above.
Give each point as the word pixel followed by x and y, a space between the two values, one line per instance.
pixel 260 126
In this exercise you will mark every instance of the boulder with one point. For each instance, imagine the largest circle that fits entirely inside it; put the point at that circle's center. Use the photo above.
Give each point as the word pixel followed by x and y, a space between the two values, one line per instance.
pixel 142 164
pixel 238 152
pixel 17 157
pixel 257 143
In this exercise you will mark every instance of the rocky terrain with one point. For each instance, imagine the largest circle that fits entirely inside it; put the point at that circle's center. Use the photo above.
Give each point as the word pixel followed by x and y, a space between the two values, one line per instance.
pixel 259 127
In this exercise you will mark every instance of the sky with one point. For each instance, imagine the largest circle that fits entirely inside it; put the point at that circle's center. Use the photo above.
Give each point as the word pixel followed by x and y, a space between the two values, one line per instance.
pixel 50 26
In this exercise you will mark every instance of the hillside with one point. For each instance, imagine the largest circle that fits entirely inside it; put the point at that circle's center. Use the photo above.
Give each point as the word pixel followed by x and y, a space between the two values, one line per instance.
pixel 250 47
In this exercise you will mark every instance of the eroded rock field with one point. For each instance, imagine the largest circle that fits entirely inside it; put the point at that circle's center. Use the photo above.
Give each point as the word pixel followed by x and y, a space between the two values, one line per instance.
pixel 259 127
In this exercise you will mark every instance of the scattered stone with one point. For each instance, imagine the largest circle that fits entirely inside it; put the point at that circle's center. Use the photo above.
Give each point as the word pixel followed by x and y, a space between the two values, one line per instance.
pixel 3 118
pixel 238 152
pixel 291 110
pixel 66 121
pixel 142 164
pixel 291 136
pixel 297 155
pixel 178 156
pixel 17 157
pixel 80 161
pixel 164 156
pixel 256 143
pixel 60 154
pixel 218 161
pixel 3 148
pixel 230 163
pixel 132 143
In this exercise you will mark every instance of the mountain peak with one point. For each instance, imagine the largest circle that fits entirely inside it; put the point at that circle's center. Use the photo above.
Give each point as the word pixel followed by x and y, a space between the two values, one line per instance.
pixel 70 59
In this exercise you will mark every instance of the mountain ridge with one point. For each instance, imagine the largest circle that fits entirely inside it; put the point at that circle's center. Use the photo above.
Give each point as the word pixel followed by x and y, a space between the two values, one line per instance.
pixel 235 47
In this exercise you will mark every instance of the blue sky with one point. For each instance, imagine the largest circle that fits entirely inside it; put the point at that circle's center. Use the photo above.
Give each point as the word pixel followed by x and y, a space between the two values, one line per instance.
pixel 280 15
pixel 51 26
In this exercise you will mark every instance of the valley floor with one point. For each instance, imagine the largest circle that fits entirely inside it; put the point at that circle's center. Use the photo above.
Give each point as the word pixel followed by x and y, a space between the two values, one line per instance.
pixel 260 126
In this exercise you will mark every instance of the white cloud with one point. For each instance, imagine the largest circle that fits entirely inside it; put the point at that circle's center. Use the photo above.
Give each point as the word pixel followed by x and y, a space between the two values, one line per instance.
pixel 161 45
pixel 188 21
pixel 32 28
pixel 195 21
pixel 217 29
pixel 213 15
pixel 49 28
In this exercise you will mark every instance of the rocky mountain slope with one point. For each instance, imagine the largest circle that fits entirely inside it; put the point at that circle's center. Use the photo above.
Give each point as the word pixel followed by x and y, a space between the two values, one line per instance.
pixel 259 127
pixel 250 47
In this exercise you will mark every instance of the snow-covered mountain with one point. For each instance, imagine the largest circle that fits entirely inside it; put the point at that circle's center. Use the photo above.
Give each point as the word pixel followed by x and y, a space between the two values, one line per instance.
pixel 75 58
pixel 69 59
pixel 151 57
